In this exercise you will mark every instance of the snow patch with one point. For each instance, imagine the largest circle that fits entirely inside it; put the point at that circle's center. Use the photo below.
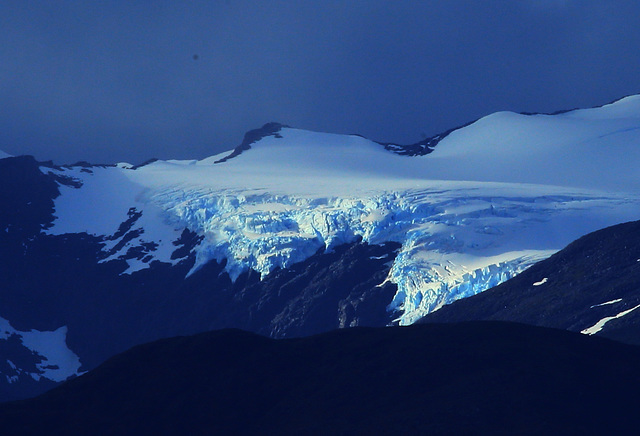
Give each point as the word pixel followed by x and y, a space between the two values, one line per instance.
pixel 600 324
pixel 102 204
pixel 541 282
pixel 4 155
pixel 607 303
pixel 58 363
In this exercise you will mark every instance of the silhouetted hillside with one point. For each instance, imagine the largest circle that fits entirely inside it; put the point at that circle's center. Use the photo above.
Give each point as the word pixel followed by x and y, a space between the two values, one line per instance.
pixel 469 378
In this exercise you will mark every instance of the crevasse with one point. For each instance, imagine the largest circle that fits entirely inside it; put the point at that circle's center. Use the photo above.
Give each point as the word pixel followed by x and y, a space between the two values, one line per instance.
pixel 452 246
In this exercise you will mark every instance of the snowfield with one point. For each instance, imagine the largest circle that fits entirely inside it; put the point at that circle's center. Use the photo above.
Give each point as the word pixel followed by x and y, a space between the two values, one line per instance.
pixel 493 198
pixel 58 361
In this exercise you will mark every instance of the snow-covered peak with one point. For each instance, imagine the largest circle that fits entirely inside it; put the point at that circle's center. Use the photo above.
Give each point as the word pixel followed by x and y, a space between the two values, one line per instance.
pixel 311 158
pixel 595 148
pixel 4 155
pixel 627 107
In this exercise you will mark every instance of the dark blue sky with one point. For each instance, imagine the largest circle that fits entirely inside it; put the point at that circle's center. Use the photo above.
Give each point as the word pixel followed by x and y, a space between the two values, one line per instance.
pixel 117 81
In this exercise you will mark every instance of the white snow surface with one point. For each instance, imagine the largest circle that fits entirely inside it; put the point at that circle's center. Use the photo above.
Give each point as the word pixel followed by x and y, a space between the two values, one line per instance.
pixel 541 282
pixel 58 361
pixel 600 324
pixel 492 199
pixel 606 303
pixel 4 155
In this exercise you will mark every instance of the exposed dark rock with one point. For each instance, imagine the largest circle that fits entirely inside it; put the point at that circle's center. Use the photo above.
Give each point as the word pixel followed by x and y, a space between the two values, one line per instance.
pixel 26 199
pixel 66 180
pixel 185 244
pixel 147 162
pixel 252 136
pixel 423 147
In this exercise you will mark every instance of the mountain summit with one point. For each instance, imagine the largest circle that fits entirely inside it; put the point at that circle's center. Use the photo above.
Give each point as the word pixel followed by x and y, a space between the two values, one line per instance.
pixel 563 150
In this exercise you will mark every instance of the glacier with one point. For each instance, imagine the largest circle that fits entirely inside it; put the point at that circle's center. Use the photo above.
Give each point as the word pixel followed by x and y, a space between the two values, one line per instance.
pixel 492 198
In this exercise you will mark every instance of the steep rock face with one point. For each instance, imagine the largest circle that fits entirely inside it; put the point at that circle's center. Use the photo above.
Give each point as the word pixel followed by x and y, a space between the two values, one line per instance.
pixel 594 279
pixel 468 378
pixel 343 288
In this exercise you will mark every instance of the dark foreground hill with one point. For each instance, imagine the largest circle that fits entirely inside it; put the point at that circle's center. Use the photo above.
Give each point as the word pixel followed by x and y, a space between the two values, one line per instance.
pixel 593 278
pixel 468 378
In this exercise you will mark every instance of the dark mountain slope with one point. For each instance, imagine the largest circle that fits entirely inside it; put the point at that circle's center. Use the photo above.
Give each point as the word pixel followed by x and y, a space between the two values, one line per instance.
pixel 470 378
pixel 601 267
pixel 50 281
pixel 26 199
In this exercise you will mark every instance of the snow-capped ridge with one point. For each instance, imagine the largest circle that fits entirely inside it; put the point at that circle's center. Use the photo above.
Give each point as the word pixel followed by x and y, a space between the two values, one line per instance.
pixel 4 155
pixel 273 129
pixel 617 104
pixel 624 107
pixel 564 150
